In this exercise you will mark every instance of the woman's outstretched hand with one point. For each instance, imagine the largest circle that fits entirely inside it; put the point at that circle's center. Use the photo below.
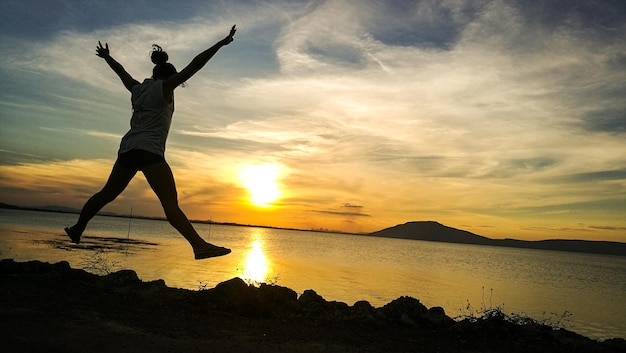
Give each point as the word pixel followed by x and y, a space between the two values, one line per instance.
pixel 127 79
pixel 230 36
pixel 101 51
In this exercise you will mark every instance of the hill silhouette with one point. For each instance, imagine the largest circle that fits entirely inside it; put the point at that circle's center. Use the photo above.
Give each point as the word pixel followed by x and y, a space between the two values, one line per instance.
pixel 435 231
pixel 431 231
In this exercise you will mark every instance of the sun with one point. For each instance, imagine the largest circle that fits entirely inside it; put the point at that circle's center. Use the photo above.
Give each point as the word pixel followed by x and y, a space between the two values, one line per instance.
pixel 261 182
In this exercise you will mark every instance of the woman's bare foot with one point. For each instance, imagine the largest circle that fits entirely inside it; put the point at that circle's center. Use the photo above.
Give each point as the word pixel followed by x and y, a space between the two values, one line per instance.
pixel 210 250
pixel 73 234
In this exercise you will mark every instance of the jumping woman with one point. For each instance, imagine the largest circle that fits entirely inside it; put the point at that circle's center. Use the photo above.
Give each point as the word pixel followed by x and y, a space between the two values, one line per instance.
pixel 143 146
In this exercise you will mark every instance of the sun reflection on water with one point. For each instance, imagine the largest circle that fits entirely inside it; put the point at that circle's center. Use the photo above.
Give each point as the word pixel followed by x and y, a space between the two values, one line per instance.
pixel 256 267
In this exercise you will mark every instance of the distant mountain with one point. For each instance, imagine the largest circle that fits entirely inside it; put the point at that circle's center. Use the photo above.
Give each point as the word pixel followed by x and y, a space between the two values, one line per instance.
pixel 11 207
pixel 60 209
pixel 584 246
pixel 431 231
pixel 434 231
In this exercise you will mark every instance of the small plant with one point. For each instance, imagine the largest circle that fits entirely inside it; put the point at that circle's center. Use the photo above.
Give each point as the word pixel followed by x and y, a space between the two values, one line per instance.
pixel 554 321
pixel 484 312
pixel 99 263
pixel 558 321
pixel 203 286
pixel 249 280
pixel 272 281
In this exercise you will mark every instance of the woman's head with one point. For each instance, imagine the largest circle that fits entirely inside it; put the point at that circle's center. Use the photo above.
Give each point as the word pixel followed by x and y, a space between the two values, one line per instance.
pixel 162 68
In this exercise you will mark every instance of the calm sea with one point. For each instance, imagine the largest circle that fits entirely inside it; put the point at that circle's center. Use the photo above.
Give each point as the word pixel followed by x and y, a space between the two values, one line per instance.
pixel 347 268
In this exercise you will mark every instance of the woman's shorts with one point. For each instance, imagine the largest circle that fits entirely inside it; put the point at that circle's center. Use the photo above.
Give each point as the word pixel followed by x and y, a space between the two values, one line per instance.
pixel 138 159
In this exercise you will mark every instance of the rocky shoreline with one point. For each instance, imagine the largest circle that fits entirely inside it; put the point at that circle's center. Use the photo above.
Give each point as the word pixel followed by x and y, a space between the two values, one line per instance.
pixel 52 307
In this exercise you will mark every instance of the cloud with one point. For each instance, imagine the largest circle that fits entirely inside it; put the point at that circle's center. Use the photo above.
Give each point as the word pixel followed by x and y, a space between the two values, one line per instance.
pixel 608 228
pixel 594 17
pixel 346 210
pixel 606 120
pixel 15 158
pixel 53 180
pixel 347 214
pixel 416 108
pixel 53 16
pixel 605 175
pixel 429 24
pixel 457 92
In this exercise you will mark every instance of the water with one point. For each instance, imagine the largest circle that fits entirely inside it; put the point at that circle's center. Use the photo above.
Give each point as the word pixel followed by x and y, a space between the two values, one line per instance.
pixel 347 268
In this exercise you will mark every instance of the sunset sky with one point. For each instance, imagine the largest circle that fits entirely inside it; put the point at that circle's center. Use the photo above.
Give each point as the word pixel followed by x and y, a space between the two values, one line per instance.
pixel 503 118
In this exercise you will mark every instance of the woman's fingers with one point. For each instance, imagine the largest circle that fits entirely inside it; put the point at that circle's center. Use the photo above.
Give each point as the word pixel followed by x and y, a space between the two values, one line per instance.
pixel 102 51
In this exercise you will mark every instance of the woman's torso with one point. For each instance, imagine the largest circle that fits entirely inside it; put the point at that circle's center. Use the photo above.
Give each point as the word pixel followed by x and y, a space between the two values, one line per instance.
pixel 151 120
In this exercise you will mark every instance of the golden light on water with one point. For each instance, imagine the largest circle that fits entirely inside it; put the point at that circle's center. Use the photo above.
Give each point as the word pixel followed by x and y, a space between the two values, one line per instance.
pixel 261 181
pixel 256 267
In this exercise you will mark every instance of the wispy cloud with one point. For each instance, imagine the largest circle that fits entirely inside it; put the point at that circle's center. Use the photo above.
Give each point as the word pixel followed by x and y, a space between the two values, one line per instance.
pixel 464 110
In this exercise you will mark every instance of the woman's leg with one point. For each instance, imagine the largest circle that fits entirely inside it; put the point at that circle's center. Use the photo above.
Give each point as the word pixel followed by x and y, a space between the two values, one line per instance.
pixel 117 182
pixel 161 180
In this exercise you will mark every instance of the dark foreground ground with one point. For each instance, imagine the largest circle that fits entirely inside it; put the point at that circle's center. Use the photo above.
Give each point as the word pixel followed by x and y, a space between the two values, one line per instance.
pixel 53 308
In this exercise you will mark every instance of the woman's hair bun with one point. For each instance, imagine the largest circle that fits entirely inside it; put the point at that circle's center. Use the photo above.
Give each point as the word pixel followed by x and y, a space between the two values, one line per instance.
pixel 158 56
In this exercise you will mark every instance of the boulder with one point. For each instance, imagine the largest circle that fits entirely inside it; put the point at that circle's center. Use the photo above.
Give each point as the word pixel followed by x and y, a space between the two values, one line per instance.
pixel 437 317
pixel 276 294
pixel 310 296
pixel 362 308
pixel 404 310
pixel 236 296
pixel 121 278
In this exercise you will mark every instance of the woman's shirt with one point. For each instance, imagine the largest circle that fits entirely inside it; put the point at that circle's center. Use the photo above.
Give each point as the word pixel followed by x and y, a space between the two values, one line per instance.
pixel 151 120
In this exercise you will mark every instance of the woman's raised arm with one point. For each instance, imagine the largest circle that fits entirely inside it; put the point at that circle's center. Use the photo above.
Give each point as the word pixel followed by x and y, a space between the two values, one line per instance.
pixel 126 78
pixel 197 63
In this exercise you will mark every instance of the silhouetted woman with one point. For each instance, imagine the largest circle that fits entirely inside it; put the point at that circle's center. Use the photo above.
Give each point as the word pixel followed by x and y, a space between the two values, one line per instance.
pixel 143 146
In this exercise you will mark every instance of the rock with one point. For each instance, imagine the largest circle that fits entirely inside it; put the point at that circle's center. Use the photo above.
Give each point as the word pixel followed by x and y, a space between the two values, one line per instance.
pixel 159 283
pixel 409 311
pixel 232 285
pixel 152 288
pixel 337 310
pixel 314 305
pixel 42 270
pixel 437 316
pixel 407 319
pixel 276 299
pixel 234 296
pixel 61 267
pixel 7 266
pixel 38 284
pixel 238 297
pixel 363 308
pixel 309 296
pixel 404 310
pixel 277 294
pixel 121 278
pixel 616 344
pixel 311 303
